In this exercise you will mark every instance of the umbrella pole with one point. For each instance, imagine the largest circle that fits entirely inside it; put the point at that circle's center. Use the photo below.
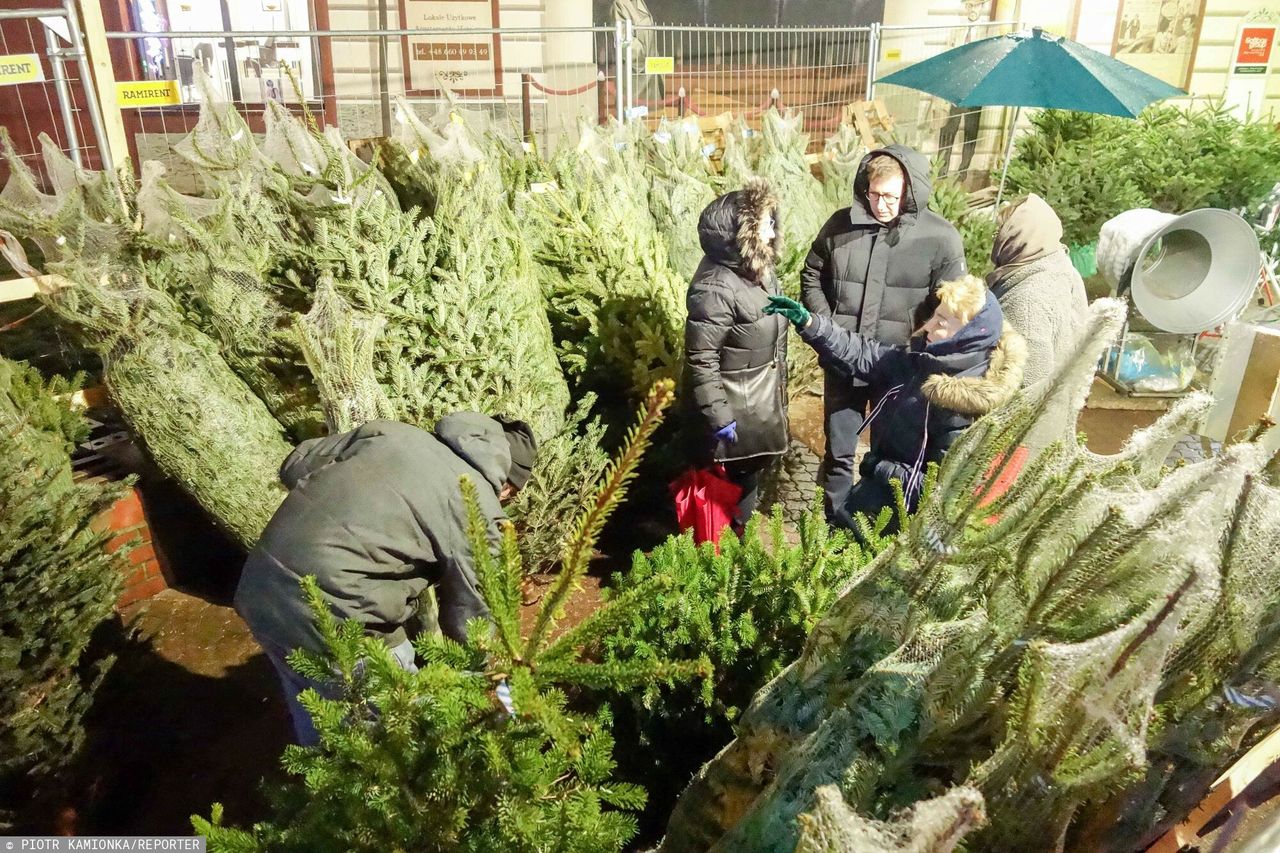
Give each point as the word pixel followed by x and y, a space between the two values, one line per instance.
pixel 1008 151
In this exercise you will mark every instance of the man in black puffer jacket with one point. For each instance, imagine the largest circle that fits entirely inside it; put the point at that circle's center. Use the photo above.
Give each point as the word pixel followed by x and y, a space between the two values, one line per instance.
pixel 376 515
pixel 735 354
pixel 870 266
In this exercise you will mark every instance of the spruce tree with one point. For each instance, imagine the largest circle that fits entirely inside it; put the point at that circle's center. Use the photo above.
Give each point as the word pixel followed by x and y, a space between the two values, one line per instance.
pixel 1055 647
pixel 615 304
pixel 58 582
pixel 681 186
pixel 201 423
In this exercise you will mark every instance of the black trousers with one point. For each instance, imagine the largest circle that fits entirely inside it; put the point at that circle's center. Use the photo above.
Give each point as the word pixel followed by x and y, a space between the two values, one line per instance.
pixel 746 474
pixel 844 409
pixel 868 497
pixel 947 137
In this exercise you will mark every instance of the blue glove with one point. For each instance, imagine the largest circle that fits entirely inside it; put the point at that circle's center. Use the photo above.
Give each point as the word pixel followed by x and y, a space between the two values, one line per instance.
pixel 789 308
pixel 728 433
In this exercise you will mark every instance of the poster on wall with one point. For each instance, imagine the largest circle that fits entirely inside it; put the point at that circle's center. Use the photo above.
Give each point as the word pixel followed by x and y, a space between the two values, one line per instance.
pixel 1159 37
pixel 468 63
pixel 1246 88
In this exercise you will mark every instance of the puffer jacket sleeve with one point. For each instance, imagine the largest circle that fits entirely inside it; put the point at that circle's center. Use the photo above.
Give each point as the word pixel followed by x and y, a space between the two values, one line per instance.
pixel 711 316
pixel 951 261
pixel 816 267
pixel 854 354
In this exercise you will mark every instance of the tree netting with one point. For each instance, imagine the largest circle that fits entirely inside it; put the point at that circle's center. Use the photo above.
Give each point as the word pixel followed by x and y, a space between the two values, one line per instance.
pixel 483 330
pixel 1062 648
pixel 616 305
pixel 199 420
pixel 841 155
pixel 680 188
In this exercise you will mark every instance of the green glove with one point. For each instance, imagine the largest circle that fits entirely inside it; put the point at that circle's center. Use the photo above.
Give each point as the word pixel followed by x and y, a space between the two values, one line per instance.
pixel 789 308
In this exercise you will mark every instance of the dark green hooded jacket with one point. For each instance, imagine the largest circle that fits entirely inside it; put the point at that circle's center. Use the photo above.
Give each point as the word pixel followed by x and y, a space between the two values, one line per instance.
pixel 376 514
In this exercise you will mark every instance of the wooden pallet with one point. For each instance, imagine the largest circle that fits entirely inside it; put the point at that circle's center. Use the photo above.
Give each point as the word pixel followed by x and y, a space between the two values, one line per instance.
pixel 1228 786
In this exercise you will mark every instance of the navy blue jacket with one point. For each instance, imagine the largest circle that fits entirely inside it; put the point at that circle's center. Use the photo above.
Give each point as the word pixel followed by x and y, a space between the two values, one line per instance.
pixel 925 393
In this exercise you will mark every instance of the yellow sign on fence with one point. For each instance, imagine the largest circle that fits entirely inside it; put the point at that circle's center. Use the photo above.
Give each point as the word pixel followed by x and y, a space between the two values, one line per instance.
pixel 659 65
pixel 148 93
pixel 20 68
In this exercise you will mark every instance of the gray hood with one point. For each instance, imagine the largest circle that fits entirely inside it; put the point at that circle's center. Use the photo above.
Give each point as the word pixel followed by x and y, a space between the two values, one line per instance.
pixel 480 442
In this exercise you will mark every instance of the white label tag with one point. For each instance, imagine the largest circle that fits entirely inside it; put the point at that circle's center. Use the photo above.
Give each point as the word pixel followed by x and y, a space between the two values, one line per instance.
pixel 708 149
pixel 662 136
pixel 638 112
pixel 549 186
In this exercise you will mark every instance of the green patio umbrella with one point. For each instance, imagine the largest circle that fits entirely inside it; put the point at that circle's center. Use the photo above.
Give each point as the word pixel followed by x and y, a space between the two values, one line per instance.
pixel 1033 69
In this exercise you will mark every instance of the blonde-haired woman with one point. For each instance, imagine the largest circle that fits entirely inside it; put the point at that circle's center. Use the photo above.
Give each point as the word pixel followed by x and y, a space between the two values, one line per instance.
pixel 961 362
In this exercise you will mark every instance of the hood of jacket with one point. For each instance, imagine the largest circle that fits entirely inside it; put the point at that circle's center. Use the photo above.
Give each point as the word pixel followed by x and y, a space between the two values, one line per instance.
pixel 729 230
pixel 977 395
pixel 916 189
pixel 480 442
pixel 1028 231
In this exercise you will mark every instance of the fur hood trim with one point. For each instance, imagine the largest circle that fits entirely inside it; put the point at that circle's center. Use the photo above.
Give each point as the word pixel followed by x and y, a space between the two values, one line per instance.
pixel 758 201
pixel 977 395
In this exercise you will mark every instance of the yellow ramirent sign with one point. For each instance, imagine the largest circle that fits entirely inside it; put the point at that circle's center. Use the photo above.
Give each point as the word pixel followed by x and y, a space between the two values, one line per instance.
pixel 659 65
pixel 148 93
pixel 20 68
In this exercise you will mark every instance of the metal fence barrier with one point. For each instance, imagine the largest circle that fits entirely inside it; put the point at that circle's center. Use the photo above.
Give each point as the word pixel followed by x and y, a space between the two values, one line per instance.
pixel 549 80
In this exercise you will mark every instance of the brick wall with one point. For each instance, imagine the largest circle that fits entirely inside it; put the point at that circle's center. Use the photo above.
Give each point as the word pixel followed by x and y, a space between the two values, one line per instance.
pixel 128 525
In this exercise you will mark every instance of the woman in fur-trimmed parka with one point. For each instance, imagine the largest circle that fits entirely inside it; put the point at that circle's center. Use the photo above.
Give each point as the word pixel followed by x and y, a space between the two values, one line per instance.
pixel 735 354
pixel 962 361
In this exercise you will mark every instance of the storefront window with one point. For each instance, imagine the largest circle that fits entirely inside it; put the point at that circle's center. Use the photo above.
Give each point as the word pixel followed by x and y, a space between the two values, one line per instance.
pixel 248 69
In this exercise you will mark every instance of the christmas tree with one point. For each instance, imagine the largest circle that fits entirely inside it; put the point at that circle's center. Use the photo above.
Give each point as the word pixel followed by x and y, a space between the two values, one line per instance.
pixel 1055 648
pixel 199 420
pixel 681 187
pixel 59 584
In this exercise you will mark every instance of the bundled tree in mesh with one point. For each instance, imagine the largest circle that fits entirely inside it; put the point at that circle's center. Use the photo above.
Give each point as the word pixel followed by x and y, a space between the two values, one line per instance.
pixel 680 188
pixel 616 305
pixel 59 584
pixel 1040 646
pixel 198 419
pixel 485 336
pixel 429 760
pixel 224 261
pixel 782 161
pixel 841 155
pixel 741 154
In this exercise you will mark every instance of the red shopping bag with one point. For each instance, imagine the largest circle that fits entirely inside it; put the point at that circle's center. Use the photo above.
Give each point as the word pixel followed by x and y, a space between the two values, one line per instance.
pixel 706 502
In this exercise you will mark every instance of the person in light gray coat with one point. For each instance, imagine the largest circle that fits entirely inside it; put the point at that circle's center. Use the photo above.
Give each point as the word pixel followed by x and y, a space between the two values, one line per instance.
pixel 735 354
pixel 1040 292
pixel 376 515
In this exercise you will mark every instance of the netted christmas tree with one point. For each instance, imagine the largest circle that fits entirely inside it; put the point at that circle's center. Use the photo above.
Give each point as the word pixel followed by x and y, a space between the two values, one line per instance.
pixel 199 420
pixel 841 155
pixel 59 584
pixel 484 338
pixel 1041 646
pixel 783 163
pixel 681 186
pixel 430 760
pixel 615 304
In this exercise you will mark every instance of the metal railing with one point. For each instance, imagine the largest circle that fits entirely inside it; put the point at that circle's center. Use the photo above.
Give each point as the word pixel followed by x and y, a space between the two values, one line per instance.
pixel 62 78
pixel 538 83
